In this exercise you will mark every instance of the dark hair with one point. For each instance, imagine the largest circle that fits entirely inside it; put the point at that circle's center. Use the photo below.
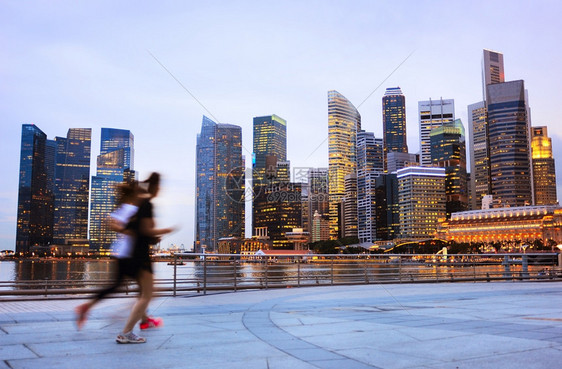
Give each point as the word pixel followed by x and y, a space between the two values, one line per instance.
pixel 126 191
pixel 153 182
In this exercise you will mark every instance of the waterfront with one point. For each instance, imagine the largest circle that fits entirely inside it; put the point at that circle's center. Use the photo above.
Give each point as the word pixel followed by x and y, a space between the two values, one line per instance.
pixel 82 275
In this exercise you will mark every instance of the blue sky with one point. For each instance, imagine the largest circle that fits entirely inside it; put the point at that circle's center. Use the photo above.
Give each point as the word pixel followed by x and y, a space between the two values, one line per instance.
pixel 89 64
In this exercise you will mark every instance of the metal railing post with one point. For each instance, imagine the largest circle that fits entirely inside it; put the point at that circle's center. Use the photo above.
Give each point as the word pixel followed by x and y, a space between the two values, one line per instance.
pixel 204 274
pixel 266 276
pixel 332 270
pixel 235 273
pixel 298 271
pixel 175 272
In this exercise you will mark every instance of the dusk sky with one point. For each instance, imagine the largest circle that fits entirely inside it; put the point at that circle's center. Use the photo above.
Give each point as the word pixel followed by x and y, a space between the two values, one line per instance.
pixel 92 64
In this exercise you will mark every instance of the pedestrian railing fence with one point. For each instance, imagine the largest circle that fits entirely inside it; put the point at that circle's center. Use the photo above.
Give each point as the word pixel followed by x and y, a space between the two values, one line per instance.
pixel 199 274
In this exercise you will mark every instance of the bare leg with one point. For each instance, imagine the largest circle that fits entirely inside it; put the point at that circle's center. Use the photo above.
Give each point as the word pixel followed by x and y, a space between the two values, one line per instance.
pixel 145 281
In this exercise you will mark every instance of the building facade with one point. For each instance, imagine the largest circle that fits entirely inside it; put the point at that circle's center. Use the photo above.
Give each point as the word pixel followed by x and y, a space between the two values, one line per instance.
pixel 344 121
pixel 432 114
pixel 115 165
pixel 72 189
pixel 277 207
pixel 544 170
pixel 510 149
pixel 448 150
pixel 387 207
pixel 349 206
pixel 35 196
pixel 492 69
pixel 269 144
pixel 370 165
pixel 220 175
pixel 421 198
pixel 479 154
pixel 514 224
pixel 394 122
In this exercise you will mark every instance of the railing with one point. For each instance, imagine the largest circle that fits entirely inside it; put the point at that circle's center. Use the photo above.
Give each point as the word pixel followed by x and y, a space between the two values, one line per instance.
pixel 202 273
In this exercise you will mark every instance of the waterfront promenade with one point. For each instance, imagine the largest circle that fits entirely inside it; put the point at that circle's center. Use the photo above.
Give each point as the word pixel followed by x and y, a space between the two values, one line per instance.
pixel 461 325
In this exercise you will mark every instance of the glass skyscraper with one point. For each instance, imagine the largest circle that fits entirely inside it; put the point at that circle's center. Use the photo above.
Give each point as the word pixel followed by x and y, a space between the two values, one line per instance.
pixel 448 150
pixel 35 196
pixel 394 122
pixel 508 136
pixel 220 185
pixel 344 121
pixel 269 145
pixel 479 154
pixel 433 114
pixel 115 165
pixel 369 167
pixel 72 187
pixel 544 172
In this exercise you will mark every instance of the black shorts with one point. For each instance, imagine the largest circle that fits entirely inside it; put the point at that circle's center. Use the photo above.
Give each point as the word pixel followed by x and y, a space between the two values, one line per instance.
pixel 131 267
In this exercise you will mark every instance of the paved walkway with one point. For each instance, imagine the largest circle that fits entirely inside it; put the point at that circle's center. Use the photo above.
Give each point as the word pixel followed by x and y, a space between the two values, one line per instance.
pixel 471 325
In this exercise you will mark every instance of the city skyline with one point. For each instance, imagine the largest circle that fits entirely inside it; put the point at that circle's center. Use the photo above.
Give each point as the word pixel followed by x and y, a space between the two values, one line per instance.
pixel 65 67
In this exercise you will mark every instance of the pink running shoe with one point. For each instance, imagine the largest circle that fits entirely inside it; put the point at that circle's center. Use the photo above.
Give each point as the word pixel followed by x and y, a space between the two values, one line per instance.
pixel 152 323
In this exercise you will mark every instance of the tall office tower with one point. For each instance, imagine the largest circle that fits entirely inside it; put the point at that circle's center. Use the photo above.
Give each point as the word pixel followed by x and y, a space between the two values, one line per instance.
pixel 492 69
pixel 35 199
pixel 508 136
pixel 421 195
pixel 387 207
pixel 394 122
pixel 320 227
pixel 479 153
pixel 278 207
pixel 115 165
pixel 544 172
pixel 220 184
pixel 72 188
pixel 448 150
pixel 349 206
pixel 314 195
pixel 399 160
pixel 344 121
pixel 370 165
pixel 432 114
pixel 270 146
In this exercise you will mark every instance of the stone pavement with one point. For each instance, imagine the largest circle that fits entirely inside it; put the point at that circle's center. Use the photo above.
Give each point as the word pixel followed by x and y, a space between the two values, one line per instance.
pixel 470 325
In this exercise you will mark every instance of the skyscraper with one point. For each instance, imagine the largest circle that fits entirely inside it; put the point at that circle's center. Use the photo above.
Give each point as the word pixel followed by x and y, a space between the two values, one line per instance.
pixel 479 154
pixel 387 207
pixel 421 195
pixel 448 150
pixel 72 187
pixel 270 141
pixel 433 114
pixel 369 167
pixel 480 176
pixel 394 122
pixel 349 206
pixel 492 69
pixel 344 121
pixel 278 207
pixel 544 172
pixel 35 197
pixel 220 184
pixel 315 196
pixel 115 165
pixel 508 135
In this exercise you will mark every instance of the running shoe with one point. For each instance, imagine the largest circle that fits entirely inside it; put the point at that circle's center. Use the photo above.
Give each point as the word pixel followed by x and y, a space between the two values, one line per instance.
pixel 130 338
pixel 152 323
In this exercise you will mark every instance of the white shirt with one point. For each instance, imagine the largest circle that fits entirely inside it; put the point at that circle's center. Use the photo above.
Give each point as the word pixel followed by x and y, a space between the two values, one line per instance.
pixel 123 245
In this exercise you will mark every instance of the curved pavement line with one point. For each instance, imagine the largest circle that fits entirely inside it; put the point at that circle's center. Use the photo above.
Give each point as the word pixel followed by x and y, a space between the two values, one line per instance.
pixel 257 321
